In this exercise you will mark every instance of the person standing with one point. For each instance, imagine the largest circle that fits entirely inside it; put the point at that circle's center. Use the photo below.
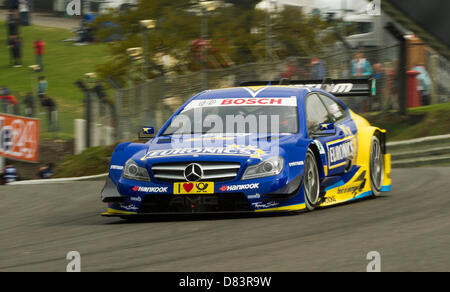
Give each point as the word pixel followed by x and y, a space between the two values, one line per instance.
pixel 52 113
pixel 360 68
pixel 13 23
pixel 425 83
pixel 15 47
pixel 29 105
pixel 4 94
pixel 9 174
pixel 318 71
pixel 24 10
pixel 42 87
pixel 380 87
pixel 46 172
pixel 17 51
pixel 11 44
pixel 39 46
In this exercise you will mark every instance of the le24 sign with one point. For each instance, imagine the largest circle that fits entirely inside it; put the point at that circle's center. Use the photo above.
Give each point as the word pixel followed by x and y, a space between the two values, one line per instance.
pixel 19 138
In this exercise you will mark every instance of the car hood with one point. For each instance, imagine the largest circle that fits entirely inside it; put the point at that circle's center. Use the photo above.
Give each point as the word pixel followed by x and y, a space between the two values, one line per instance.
pixel 226 147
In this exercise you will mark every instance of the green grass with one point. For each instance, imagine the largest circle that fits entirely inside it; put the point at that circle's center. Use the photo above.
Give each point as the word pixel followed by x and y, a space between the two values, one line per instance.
pixel 418 122
pixel 91 162
pixel 64 63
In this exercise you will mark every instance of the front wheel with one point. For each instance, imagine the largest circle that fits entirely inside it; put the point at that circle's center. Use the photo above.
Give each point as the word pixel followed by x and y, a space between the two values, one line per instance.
pixel 376 167
pixel 311 181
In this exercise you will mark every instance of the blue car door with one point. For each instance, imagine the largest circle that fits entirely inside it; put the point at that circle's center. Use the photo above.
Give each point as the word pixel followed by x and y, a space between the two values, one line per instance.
pixel 336 146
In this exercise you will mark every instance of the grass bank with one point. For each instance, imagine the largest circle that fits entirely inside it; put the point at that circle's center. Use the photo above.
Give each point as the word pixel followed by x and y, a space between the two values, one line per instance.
pixel 418 122
pixel 64 63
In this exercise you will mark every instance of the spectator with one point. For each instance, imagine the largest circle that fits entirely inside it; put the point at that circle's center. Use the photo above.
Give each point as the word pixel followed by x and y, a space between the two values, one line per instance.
pixel 425 83
pixel 52 113
pixel 379 76
pixel 42 87
pixel 290 71
pixel 11 42
pixel 39 46
pixel 24 10
pixel 391 86
pixel 13 23
pixel 317 69
pixel 29 105
pixel 46 172
pixel 9 174
pixel 4 92
pixel 15 46
pixel 360 67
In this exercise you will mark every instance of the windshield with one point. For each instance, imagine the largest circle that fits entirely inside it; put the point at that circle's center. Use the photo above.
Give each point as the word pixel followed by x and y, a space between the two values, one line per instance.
pixel 355 28
pixel 237 116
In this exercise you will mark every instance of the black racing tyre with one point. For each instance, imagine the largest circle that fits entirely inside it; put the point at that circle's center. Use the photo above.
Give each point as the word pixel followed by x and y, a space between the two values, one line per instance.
pixel 311 181
pixel 376 166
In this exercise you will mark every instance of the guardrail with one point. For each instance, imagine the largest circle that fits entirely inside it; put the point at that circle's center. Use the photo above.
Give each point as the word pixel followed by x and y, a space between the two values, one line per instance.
pixel 433 150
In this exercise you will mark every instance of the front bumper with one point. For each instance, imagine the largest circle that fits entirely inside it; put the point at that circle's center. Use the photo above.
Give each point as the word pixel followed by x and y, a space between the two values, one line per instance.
pixel 266 194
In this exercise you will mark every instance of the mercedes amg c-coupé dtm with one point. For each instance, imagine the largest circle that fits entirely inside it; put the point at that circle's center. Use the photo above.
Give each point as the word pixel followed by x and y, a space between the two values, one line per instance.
pixel 254 148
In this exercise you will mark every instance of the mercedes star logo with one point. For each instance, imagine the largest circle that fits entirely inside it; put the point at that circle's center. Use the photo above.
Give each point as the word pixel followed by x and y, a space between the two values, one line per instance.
pixel 193 172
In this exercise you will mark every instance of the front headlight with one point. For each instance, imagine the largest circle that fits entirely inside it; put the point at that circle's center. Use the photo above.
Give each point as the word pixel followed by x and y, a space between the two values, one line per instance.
pixel 134 172
pixel 269 167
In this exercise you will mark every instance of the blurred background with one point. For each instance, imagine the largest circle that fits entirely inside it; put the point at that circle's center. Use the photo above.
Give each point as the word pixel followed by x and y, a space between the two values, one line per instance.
pixel 94 72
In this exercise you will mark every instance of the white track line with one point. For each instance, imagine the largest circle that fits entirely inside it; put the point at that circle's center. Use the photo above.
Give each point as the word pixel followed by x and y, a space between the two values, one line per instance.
pixel 56 180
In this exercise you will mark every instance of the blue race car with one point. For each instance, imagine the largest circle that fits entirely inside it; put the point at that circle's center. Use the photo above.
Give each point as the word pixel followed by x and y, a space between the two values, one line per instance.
pixel 255 148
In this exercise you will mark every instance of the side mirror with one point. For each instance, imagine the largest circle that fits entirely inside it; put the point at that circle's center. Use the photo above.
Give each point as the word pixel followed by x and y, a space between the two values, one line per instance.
pixel 146 133
pixel 325 129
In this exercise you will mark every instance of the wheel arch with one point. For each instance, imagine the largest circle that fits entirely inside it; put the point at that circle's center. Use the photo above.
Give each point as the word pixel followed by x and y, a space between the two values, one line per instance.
pixel 364 137
pixel 320 163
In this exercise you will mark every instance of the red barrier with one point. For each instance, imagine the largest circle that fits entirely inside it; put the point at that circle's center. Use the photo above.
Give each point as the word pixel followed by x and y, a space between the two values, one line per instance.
pixel 413 95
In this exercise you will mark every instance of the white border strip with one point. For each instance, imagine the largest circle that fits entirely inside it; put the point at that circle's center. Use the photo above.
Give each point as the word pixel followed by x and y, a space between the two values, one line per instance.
pixel 419 140
pixel 56 180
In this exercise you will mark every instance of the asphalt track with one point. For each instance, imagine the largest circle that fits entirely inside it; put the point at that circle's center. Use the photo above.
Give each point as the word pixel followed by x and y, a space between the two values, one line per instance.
pixel 410 228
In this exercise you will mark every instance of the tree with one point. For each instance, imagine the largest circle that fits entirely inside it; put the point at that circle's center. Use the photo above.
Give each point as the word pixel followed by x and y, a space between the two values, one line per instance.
pixel 236 32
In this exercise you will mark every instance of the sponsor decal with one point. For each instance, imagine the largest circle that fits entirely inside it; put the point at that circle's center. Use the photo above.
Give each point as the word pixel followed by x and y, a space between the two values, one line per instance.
pixel 19 138
pixel 240 187
pixel 233 150
pixel 150 189
pixel 185 188
pixel 331 88
pixel 349 189
pixel 255 101
pixel 296 163
pixel 116 167
pixel 329 200
pixel 319 146
pixel 129 207
pixel 136 199
pixel 334 109
pixel 339 152
pixel 255 196
pixel 260 205
pixel 354 188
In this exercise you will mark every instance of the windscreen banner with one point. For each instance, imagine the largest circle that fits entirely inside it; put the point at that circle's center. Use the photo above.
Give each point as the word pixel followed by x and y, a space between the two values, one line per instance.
pixel 19 138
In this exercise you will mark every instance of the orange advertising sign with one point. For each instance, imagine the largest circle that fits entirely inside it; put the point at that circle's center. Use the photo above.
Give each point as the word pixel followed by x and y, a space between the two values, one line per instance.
pixel 19 138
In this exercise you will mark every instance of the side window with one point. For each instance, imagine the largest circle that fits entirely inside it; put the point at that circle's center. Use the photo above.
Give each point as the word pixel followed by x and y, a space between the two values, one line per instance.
pixel 316 113
pixel 336 110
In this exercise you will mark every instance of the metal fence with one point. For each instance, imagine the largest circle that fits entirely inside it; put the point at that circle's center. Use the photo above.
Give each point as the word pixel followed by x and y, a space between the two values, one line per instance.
pixel 152 103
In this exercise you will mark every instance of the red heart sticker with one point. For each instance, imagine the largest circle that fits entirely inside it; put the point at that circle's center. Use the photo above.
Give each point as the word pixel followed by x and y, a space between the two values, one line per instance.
pixel 188 187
